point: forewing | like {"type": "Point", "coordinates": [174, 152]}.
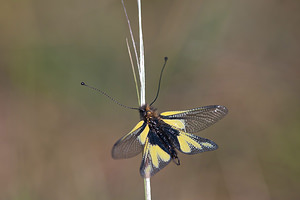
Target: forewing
{"type": "Point", "coordinates": [131, 144]}
{"type": "Point", "coordinates": [155, 156]}
{"type": "Point", "coordinates": [196, 119]}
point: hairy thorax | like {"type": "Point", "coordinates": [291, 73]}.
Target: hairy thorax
{"type": "Point", "coordinates": [148, 114]}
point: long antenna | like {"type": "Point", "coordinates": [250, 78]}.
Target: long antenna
{"type": "Point", "coordinates": [83, 83]}
{"type": "Point", "coordinates": [162, 70]}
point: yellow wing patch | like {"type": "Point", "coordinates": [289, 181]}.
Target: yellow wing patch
{"type": "Point", "coordinates": [206, 144]}
{"type": "Point", "coordinates": [178, 123]}
{"type": "Point", "coordinates": [158, 154]}
{"type": "Point", "coordinates": [142, 137]}
{"type": "Point", "coordinates": [171, 113]}
{"type": "Point", "coordinates": [187, 142]}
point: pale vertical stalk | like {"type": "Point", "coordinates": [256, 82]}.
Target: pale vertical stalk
{"type": "Point", "coordinates": [132, 66]}
{"type": "Point", "coordinates": [142, 61]}
{"type": "Point", "coordinates": [131, 36]}
{"type": "Point", "coordinates": [141, 68]}
{"type": "Point", "coordinates": [147, 184]}
{"type": "Point", "coordinates": [147, 188]}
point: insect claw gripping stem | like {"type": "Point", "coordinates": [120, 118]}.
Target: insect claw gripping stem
{"type": "Point", "coordinates": [176, 160]}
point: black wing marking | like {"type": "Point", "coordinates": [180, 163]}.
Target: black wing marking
{"type": "Point", "coordinates": [131, 144]}
{"type": "Point", "coordinates": [196, 119]}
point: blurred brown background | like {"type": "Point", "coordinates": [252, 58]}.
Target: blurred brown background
{"type": "Point", "coordinates": [56, 136]}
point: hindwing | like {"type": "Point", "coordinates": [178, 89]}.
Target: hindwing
{"type": "Point", "coordinates": [186, 142]}
{"type": "Point", "coordinates": [192, 144]}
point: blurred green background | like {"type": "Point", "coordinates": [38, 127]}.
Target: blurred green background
{"type": "Point", "coordinates": [56, 136]}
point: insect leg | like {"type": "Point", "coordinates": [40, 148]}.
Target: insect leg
{"type": "Point", "coordinates": [175, 157]}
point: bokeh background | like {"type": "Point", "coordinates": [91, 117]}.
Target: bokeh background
{"type": "Point", "coordinates": [56, 136]}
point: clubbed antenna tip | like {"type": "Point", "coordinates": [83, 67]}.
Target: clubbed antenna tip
{"type": "Point", "coordinates": [166, 59]}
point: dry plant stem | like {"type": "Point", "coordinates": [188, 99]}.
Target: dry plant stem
{"type": "Point", "coordinates": [142, 62]}
{"type": "Point", "coordinates": [141, 68]}
{"type": "Point", "coordinates": [132, 66]}
{"type": "Point", "coordinates": [147, 185]}
{"type": "Point", "coordinates": [131, 36]}
{"type": "Point", "coordinates": [147, 188]}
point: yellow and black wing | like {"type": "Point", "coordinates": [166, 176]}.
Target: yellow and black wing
{"type": "Point", "coordinates": [191, 144]}
{"type": "Point", "coordinates": [155, 155]}
{"type": "Point", "coordinates": [131, 144]}
{"type": "Point", "coordinates": [194, 120]}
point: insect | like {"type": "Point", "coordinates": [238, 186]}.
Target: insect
{"type": "Point", "coordinates": [161, 136]}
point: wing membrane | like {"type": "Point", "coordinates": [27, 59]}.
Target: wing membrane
{"type": "Point", "coordinates": [196, 119]}
{"type": "Point", "coordinates": [131, 144]}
